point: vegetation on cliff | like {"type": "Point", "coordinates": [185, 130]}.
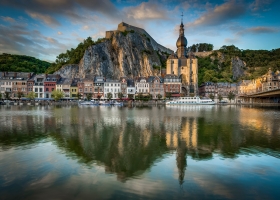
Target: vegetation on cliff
{"type": "Point", "coordinates": [72, 56]}
{"type": "Point", "coordinates": [218, 67]}
{"type": "Point", "coordinates": [21, 63]}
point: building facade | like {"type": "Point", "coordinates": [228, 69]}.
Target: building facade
{"type": "Point", "coordinates": [184, 65]}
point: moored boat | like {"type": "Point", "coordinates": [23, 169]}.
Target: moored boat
{"type": "Point", "coordinates": [191, 101]}
{"type": "Point", "coordinates": [87, 103]}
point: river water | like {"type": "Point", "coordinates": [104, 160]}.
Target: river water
{"type": "Point", "coordinates": [201, 152]}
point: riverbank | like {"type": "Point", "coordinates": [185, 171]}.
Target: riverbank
{"type": "Point", "coordinates": [126, 103]}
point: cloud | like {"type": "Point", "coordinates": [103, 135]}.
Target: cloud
{"type": "Point", "coordinates": [59, 33]}
{"type": "Point", "coordinates": [45, 18]}
{"type": "Point", "coordinates": [45, 10]}
{"type": "Point", "coordinates": [220, 14]}
{"type": "Point", "coordinates": [32, 43]}
{"type": "Point", "coordinates": [145, 11]}
{"type": "Point", "coordinates": [259, 5]}
{"type": "Point", "coordinates": [8, 19]}
{"type": "Point", "coordinates": [249, 31]}
{"type": "Point", "coordinates": [85, 27]}
{"type": "Point", "coordinates": [258, 30]}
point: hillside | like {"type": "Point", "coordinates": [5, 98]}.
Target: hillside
{"type": "Point", "coordinates": [21, 63]}
{"type": "Point", "coordinates": [232, 64]}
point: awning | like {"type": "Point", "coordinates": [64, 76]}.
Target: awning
{"type": "Point", "coordinates": [175, 95]}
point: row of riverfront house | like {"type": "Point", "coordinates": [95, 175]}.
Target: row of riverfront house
{"type": "Point", "coordinates": [14, 83]}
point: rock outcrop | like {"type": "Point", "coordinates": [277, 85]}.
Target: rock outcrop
{"type": "Point", "coordinates": [130, 53]}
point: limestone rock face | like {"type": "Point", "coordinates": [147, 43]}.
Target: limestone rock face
{"type": "Point", "coordinates": [69, 71]}
{"type": "Point", "coordinates": [238, 67]}
{"type": "Point", "coordinates": [128, 54]}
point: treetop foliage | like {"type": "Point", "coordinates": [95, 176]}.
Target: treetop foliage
{"type": "Point", "coordinates": [72, 56]}
{"type": "Point", "coordinates": [21, 63]}
{"type": "Point", "coordinates": [201, 47]}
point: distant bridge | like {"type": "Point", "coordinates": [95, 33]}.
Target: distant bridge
{"type": "Point", "coordinates": [269, 96]}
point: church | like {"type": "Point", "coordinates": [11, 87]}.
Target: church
{"type": "Point", "coordinates": [184, 65]}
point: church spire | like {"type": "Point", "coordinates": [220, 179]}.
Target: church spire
{"type": "Point", "coordinates": [182, 41]}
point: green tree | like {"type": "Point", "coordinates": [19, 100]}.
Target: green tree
{"type": "Point", "coordinates": [211, 96]}
{"type": "Point", "coordinates": [168, 95]}
{"type": "Point", "coordinates": [130, 96]}
{"type": "Point", "coordinates": [109, 96]}
{"type": "Point", "coordinates": [19, 94]}
{"type": "Point", "coordinates": [31, 95]}
{"type": "Point", "coordinates": [0, 95]}
{"type": "Point", "coordinates": [79, 95]}
{"type": "Point", "coordinates": [89, 96]}
{"type": "Point", "coordinates": [120, 95]}
{"type": "Point", "coordinates": [57, 94]}
{"type": "Point", "coordinates": [159, 96]}
{"type": "Point", "coordinates": [231, 96]}
{"type": "Point", "coordinates": [220, 97]}
{"type": "Point", "coordinates": [7, 95]}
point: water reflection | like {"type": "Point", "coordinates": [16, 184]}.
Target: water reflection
{"type": "Point", "coordinates": [128, 142]}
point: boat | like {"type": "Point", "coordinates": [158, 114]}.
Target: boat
{"type": "Point", "coordinates": [191, 101]}
{"type": "Point", "coordinates": [104, 103]}
{"type": "Point", "coordinates": [115, 103]}
{"type": "Point", "coordinates": [87, 103]}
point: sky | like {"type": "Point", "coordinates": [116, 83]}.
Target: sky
{"type": "Point", "coordinates": [46, 28]}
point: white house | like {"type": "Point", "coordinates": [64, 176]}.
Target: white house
{"type": "Point", "coordinates": [113, 87]}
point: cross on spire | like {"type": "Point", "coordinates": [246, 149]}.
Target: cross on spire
{"type": "Point", "coordinates": [182, 18]}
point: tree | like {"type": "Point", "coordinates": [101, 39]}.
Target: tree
{"type": "Point", "coordinates": [130, 96]}
{"type": "Point", "coordinates": [89, 96]}
{"type": "Point", "coordinates": [120, 95]}
{"type": "Point", "coordinates": [31, 95]}
{"type": "Point", "coordinates": [168, 95]}
{"type": "Point", "coordinates": [19, 94]}
{"type": "Point", "coordinates": [159, 96]}
{"type": "Point", "coordinates": [0, 95]}
{"type": "Point", "coordinates": [79, 95]}
{"type": "Point", "coordinates": [109, 96]}
{"type": "Point", "coordinates": [57, 94]}
{"type": "Point", "coordinates": [220, 97]}
{"type": "Point", "coordinates": [211, 96]}
{"type": "Point", "coordinates": [7, 95]}
{"type": "Point", "coordinates": [231, 96]}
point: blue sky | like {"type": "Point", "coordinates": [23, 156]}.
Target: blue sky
{"type": "Point", "coordinates": [46, 28]}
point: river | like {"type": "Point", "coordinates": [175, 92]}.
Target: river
{"type": "Point", "coordinates": [201, 152]}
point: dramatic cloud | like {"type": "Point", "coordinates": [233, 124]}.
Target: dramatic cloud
{"type": "Point", "coordinates": [8, 19]}
{"type": "Point", "coordinates": [45, 18]}
{"type": "Point", "coordinates": [146, 10]}
{"type": "Point", "coordinates": [220, 14]}
{"type": "Point", "coordinates": [43, 9]}
{"type": "Point", "coordinates": [32, 43]}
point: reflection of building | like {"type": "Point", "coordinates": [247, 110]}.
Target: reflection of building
{"type": "Point", "coordinates": [183, 65]}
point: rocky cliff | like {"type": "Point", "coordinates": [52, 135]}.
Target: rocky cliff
{"type": "Point", "coordinates": [124, 53]}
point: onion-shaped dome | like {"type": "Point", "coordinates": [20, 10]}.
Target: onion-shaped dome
{"type": "Point", "coordinates": [182, 41]}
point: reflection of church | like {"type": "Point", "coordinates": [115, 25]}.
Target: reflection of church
{"type": "Point", "coordinates": [184, 65]}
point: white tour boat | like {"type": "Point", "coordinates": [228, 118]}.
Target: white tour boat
{"type": "Point", "coordinates": [191, 101]}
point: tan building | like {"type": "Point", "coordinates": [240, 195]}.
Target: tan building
{"type": "Point", "coordinates": [183, 65]}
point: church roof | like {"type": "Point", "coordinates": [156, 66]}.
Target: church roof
{"type": "Point", "coordinates": [182, 41]}
{"type": "Point", "coordinates": [173, 56]}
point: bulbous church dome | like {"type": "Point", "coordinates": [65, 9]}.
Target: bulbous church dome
{"type": "Point", "coordinates": [182, 41]}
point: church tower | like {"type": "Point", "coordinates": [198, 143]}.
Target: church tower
{"type": "Point", "coordinates": [181, 43]}
{"type": "Point", "coordinates": [184, 65]}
